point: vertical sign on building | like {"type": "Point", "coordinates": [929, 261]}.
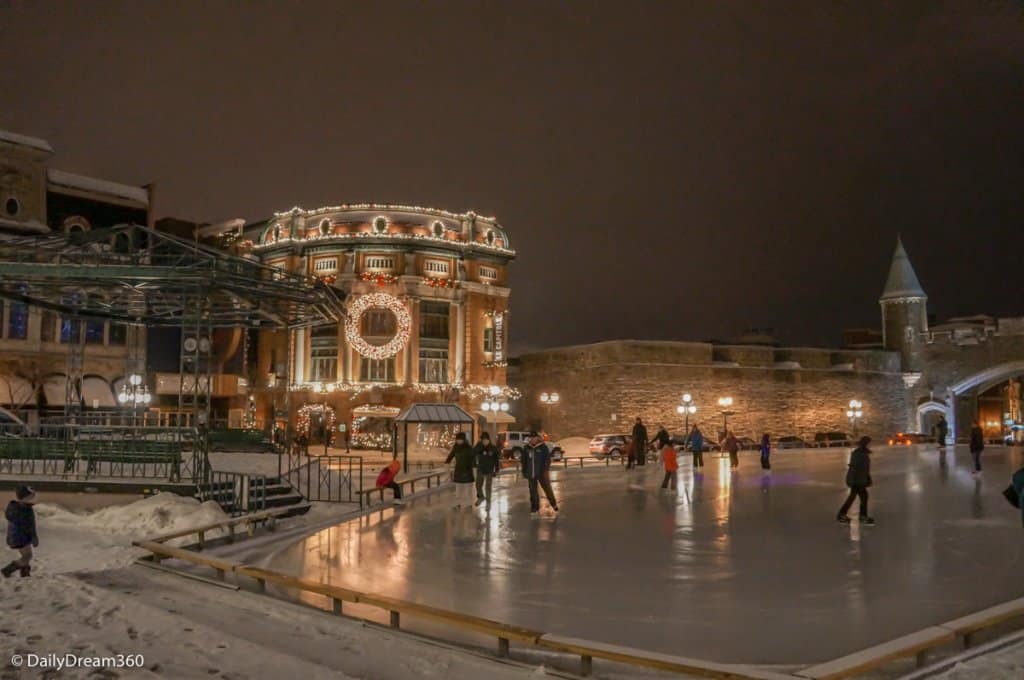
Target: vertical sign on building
{"type": "Point", "coordinates": [499, 337]}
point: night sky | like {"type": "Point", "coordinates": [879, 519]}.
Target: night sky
{"type": "Point", "coordinates": [666, 170]}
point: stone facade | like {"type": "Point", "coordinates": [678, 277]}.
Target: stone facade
{"type": "Point", "coordinates": [783, 391]}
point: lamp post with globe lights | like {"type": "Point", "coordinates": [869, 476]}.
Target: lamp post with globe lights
{"type": "Point", "coordinates": [134, 394]}
{"type": "Point", "coordinates": [725, 403]}
{"type": "Point", "coordinates": [855, 412]}
{"type": "Point", "coordinates": [549, 399]}
{"type": "Point", "coordinates": [687, 408]}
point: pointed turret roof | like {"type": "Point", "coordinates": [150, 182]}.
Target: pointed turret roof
{"type": "Point", "coordinates": [902, 281]}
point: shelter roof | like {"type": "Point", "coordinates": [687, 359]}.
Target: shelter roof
{"type": "Point", "coordinates": [434, 413]}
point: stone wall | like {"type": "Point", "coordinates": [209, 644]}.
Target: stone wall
{"type": "Point", "coordinates": [603, 387]}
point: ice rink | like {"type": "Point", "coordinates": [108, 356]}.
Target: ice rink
{"type": "Point", "coordinates": [736, 567]}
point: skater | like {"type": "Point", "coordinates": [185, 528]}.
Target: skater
{"type": "Point", "coordinates": [941, 430]}
{"type": "Point", "coordinates": [858, 478]}
{"type": "Point", "coordinates": [536, 461]}
{"type": "Point", "coordinates": [21, 531]}
{"type": "Point", "coordinates": [732, 445]}
{"type": "Point", "coordinates": [977, 446]}
{"type": "Point", "coordinates": [630, 454]}
{"type": "Point", "coordinates": [697, 446]}
{"type": "Point", "coordinates": [640, 442]}
{"type": "Point", "coordinates": [668, 459]}
{"type": "Point", "coordinates": [661, 438]}
{"type": "Point", "coordinates": [1018, 485]}
{"type": "Point", "coordinates": [487, 460]}
{"type": "Point", "coordinates": [386, 479]}
{"type": "Point", "coordinates": [463, 473]}
{"type": "Point", "coordinates": [766, 452]}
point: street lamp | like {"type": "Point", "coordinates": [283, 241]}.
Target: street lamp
{"type": "Point", "coordinates": [855, 413]}
{"type": "Point", "coordinates": [725, 403]}
{"type": "Point", "coordinates": [549, 399]}
{"type": "Point", "coordinates": [134, 393]}
{"type": "Point", "coordinates": [687, 408]}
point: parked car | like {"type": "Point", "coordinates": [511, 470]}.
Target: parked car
{"type": "Point", "coordinates": [513, 442]}
{"type": "Point", "coordinates": [613, 445]}
{"type": "Point", "coordinates": [825, 439]}
{"type": "Point", "coordinates": [909, 438]}
{"type": "Point", "coordinates": [791, 441]}
{"type": "Point", "coordinates": [748, 444]}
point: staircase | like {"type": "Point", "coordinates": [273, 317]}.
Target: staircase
{"type": "Point", "coordinates": [239, 494]}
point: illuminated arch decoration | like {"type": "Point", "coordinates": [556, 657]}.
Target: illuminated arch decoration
{"type": "Point", "coordinates": [355, 315]}
{"type": "Point", "coordinates": [326, 412]}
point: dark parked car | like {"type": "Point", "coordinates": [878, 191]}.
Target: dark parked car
{"type": "Point", "coordinates": [792, 442]}
{"type": "Point", "coordinates": [825, 439]}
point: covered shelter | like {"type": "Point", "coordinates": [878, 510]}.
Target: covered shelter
{"type": "Point", "coordinates": [434, 414]}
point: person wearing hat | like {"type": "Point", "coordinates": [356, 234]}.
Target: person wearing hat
{"type": "Point", "coordinates": [858, 478]}
{"type": "Point", "coordinates": [21, 530]}
{"type": "Point", "coordinates": [536, 460]}
{"type": "Point", "coordinates": [462, 453]}
{"type": "Point", "coordinates": [487, 460]}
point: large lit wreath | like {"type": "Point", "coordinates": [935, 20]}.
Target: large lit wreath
{"type": "Point", "coordinates": [355, 315]}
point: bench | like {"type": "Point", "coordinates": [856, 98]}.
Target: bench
{"type": "Point", "coordinates": [164, 456]}
{"type": "Point", "coordinates": [916, 644]}
{"type": "Point", "coordinates": [588, 650]}
{"type": "Point", "coordinates": [435, 478]}
{"type": "Point", "coordinates": [965, 626]}
{"type": "Point", "coordinates": [29, 450]}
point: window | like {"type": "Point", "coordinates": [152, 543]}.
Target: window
{"type": "Point", "coordinates": [17, 321]}
{"type": "Point", "coordinates": [435, 267]}
{"type": "Point", "coordinates": [94, 332]}
{"type": "Point", "coordinates": [438, 229]}
{"type": "Point", "coordinates": [48, 327]}
{"type": "Point", "coordinates": [433, 365]}
{"type": "Point", "coordinates": [326, 264]}
{"type": "Point", "coordinates": [488, 273]}
{"type": "Point", "coordinates": [488, 339]}
{"type": "Point", "coordinates": [378, 262]}
{"type": "Point", "coordinates": [117, 334]}
{"type": "Point", "coordinates": [380, 225]}
{"type": "Point", "coordinates": [70, 329]}
{"type": "Point", "coordinates": [377, 370]}
{"type": "Point", "coordinates": [380, 325]}
{"type": "Point", "coordinates": [12, 206]}
{"type": "Point", "coordinates": [323, 357]}
{"type": "Point", "coordinates": [325, 228]}
{"type": "Point", "coordinates": [434, 321]}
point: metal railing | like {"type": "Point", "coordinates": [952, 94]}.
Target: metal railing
{"type": "Point", "coordinates": [237, 493]}
{"type": "Point", "coordinates": [332, 479]}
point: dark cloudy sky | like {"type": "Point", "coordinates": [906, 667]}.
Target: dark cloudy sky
{"type": "Point", "coordinates": [665, 169]}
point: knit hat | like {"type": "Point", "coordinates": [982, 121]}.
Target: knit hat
{"type": "Point", "coordinates": [460, 436]}
{"type": "Point", "coordinates": [25, 493]}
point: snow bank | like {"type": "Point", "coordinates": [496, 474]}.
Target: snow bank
{"type": "Point", "coordinates": [102, 539]}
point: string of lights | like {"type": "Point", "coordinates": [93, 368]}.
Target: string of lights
{"type": "Point", "coordinates": [392, 304]}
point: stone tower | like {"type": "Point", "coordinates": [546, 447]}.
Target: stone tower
{"type": "Point", "coordinates": [904, 314]}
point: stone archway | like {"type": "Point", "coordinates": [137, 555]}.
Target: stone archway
{"type": "Point", "coordinates": [932, 406]}
{"type": "Point", "coordinates": [984, 380]}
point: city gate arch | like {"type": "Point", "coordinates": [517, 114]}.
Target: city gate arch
{"type": "Point", "coordinates": [928, 413]}
{"type": "Point", "coordinates": [977, 384]}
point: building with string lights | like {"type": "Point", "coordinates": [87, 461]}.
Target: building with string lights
{"type": "Point", "coordinates": [427, 300]}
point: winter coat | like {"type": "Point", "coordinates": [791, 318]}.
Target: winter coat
{"type": "Point", "coordinates": [21, 525]}
{"type": "Point", "coordinates": [388, 474]}
{"type": "Point", "coordinates": [1018, 486]}
{"type": "Point", "coordinates": [662, 438]}
{"type": "Point", "coordinates": [536, 460]}
{"type": "Point", "coordinates": [697, 442]}
{"type": "Point", "coordinates": [977, 440]}
{"type": "Point", "coordinates": [487, 459]}
{"type": "Point", "coordinates": [640, 438]}
{"type": "Point", "coordinates": [731, 444]}
{"type": "Point", "coordinates": [668, 457]}
{"type": "Point", "coordinates": [859, 469]}
{"type": "Point", "coordinates": [463, 455]}
{"type": "Point", "coordinates": [941, 429]}
{"type": "Point", "coordinates": [766, 448]}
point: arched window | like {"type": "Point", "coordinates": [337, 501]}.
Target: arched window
{"type": "Point", "coordinates": [380, 225]}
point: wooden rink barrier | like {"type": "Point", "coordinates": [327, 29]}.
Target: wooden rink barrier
{"type": "Point", "coordinates": [917, 644]}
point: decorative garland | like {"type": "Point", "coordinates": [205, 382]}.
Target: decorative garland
{"type": "Point", "coordinates": [379, 278]}
{"type": "Point", "coordinates": [302, 422]}
{"type": "Point", "coordinates": [329, 279]}
{"type": "Point", "coordinates": [438, 282]}
{"type": "Point", "coordinates": [385, 301]}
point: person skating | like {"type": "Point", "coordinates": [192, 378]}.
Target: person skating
{"type": "Point", "coordinates": [21, 531]}
{"type": "Point", "coordinates": [669, 460]}
{"type": "Point", "coordinates": [858, 478]}
{"type": "Point", "coordinates": [660, 438]}
{"type": "Point", "coordinates": [386, 479]}
{"type": "Point", "coordinates": [640, 441]}
{"type": "Point", "coordinates": [630, 454]}
{"type": "Point", "coordinates": [536, 460]}
{"type": "Point", "coordinates": [463, 473]}
{"type": "Point", "coordinates": [697, 446]}
{"type": "Point", "coordinates": [941, 430]}
{"type": "Point", "coordinates": [732, 445]}
{"type": "Point", "coordinates": [766, 452]}
{"type": "Point", "coordinates": [487, 459]}
{"type": "Point", "coordinates": [977, 445]}
{"type": "Point", "coordinates": [1018, 485]}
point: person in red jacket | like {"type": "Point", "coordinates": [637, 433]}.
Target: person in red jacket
{"type": "Point", "coordinates": [386, 479]}
{"type": "Point", "coordinates": [668, 457]}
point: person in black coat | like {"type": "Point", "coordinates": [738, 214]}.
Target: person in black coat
{"type": "Point", "coordinates": [977, 445]}
{"type": "Point", "coordinates": [487, 460]}
{"type": "Point", "coordinates": [858, 478]}
{"type": "Point", "coordinates": [21, 531]}
{"type": "Point", "coordinates": [536, 464]}
{"type": "Point", "coordinates": [941, 430]}
{"type": "Point", "coordinates": [462, 475]}
{"type": "Point", "coordinates": [640, 441]}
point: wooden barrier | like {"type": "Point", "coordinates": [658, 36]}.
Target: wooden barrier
{"type": "Point", "coordinates": [916, 644]}
{"type": "Point", "coordinates": [966, 626]}
{"type": "Point", "coordinates": [250, 522]}
{"type": "Point", "coordinates": [437, 475]}
{"type": "Point", "coordinates": [161, 551]}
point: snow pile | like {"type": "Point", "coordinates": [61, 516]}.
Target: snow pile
{"type": "Point", "coordinates": [1003, 664]}
{"type": "Point", "coordinates": [575, 446]}
{"type": "Point", "coordinates": [102, 539]}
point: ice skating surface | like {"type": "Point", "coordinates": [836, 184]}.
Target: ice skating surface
{"type": "Point", "coordinates": [740, 566]}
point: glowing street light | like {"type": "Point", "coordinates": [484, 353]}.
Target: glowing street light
{"type": "Point", "coordinates": [725, 403]}
{"type": "Point", "coordinates": [687, 408]}
{"type": "Point", "coordinates": [549, 399]}
{"type": "Point", "coordinates": [134, 393]}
